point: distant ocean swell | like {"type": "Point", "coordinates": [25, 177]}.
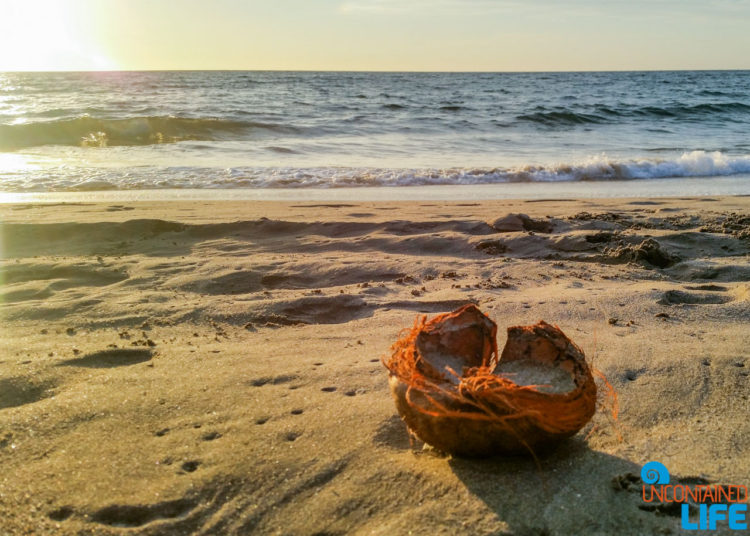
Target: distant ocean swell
{"type": "Point", "coordinates": [607, 114]}
{"type": "Point", "coordinates": [92, 131]}
{"type": "Point", "coordinates": [96, 132]}
{"type": "Point", "coordinates": [600, 168]}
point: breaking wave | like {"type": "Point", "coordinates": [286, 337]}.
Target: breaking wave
{"type": "Point", "coordinates": [92, 131]}
{"type": "Point", "coordinates": [600, 168]}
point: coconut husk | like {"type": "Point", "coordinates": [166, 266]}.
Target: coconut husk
{"type": "Point", "coordinates": [456, 395]}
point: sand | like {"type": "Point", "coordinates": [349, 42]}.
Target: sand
{"type": "Point", "coordinates": [213, 367]}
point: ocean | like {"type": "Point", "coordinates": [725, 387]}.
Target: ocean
{"type": "Point", "coordinates": [104, 131]}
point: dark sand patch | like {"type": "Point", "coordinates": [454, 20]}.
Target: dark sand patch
{"type": "Point", "coordinates": [678, 297]}
{"type": "Point", "coordinates": [21, 390]}
{"type": "Point", "coordinates": [118, 357]}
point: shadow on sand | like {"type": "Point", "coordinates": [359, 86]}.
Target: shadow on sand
{"type": "Point", "coordinates": [572, 490]}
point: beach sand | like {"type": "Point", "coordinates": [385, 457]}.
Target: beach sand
{"type": "Point", "coordinates": [214, 368]}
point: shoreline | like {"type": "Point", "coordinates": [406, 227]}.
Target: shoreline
{"type": "Point", "coordinates": [207, 366]}
{"type": "Point", "coordinates": [735, 185]}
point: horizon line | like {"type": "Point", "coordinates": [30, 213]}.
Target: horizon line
{"type": "Point", "coordinates": [385, 71]}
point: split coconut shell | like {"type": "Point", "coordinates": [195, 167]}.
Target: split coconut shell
{"type": "Point", "coordinates": [456, 395]}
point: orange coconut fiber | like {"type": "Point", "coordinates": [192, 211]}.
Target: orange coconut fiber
{"type": "Point", "coordinates": [444, 377]}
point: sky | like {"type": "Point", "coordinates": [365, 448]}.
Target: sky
{"type": "Point", "coordinates": [374, 35]}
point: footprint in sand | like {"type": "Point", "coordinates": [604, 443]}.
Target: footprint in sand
{"type": "Point", "coordinates": [124, 515]}
{"type": "Point", "coordinates": [679, 297]}
{"type": "Point", "coordinates": [118, 357]}
{"type": "Point", "coordinates": [20, 390]}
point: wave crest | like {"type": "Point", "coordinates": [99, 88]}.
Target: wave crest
{"type": "Point", "coordinates": [561, 118]}
{"type": "Point", "coordinates": [601, 113]}
{"type": "Point", "coordinates": [92, 131]}
{"type": "Point", "coordinates": [600, 168]}
{"type": "Point", "coordinates": [696, 110]}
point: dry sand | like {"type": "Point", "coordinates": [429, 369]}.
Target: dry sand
{"type": "Point", "coordinates": [213, 368]}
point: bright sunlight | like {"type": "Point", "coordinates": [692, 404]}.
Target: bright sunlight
{"type": "Point", "coordinates": [46, 35]}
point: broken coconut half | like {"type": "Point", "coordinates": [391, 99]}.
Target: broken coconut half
{"type": "Point", "coordinates": [456, 395]}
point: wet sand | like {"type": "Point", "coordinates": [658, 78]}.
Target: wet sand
{"type": "Point", "coordinates": [214, 367]}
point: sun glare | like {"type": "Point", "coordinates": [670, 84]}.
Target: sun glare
{"type": "Point", "coordinates": [47, 35]}
{"type": "Point", "coordinates": [15, 163]}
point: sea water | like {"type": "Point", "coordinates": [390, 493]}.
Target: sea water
{"type": "Point", "coordinates": [254, 130]}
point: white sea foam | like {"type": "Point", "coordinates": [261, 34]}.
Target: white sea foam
{"type": "Point", "coordinates": [597, 168]}
{"type": "Point", "coordinates": [690, 164]}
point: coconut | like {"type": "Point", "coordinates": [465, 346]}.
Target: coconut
{"type": "Point", "coordinates": [456, 395]}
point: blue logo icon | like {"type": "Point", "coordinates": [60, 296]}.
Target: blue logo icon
{"type": "Point", "coordinates": [654, 473]}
